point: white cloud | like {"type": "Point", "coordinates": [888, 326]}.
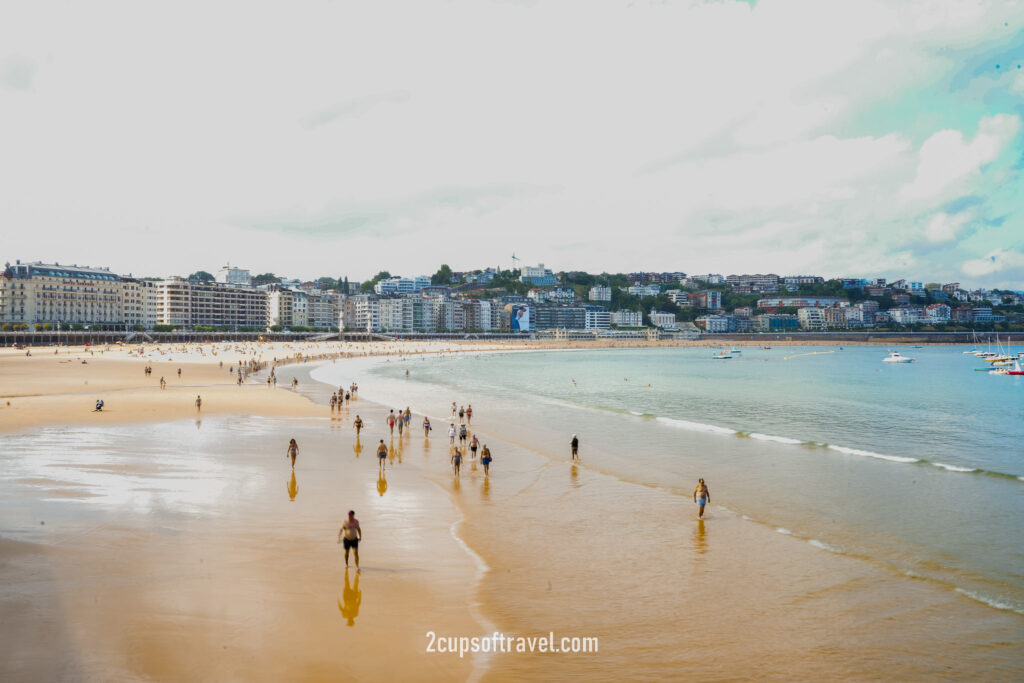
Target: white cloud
{"type": "Point", "coordinates": [995, 261]}
{"type": "Point", "coordinates": [944, 227]}
{"type": "Point", "coordinates": [946, 159]}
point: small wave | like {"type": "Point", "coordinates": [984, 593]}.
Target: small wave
{"type": "Point", "coordinates": [824, 546]}
{"type": "Point", "coordinates": [991, 602]}
{"type": "Point", "coordinates": [776, 439]}
{"type": "Point", "coordinates": [954, 468]}
{"type": "Point", "coordinates": [870, 454]}
{"type": "Point", "coordinates": [695, 426]}
{"type": "Point", "coordinates": [784, 531]}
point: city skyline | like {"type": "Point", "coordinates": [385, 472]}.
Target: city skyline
{"type": "Point", "coordinates": [853, 139]}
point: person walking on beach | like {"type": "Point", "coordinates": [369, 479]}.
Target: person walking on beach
{"type": "Point", "coordinates": [199, 403]}
{"type": "Point", "coordinates": [485, 459]}
{"type": "Point", "coordinates": [382, 453]}
{"type": "Point", "coordinates": [451, 434]}
{"type": "Point", "coordinates": [179, 373]}
{"type": "Point", "coordinates": [293, 451]}
{"type": "Point", "coordinates": [391, 421]}
{"type": "Point", "coordinates": [701, 496]}
{"type": "Point", "coordinates": [334, 402]}
{"type": "Point", "coordinates": [454, 409]}
{"type": "Point", "coordinates": [469, 414]}
{"type": "Point", "coordinates": [462, 415]}
{"type": "Point", "coordinates": [350, 534]}
{"type": "Point", "coordinates": [474, 444]}
{"type": "Point", "coordinates": [456, 460]}
{"type": "Point", "coordinates": [358, 424]}
{"type": "Point", "coordinates": [401, 425]}
{"type": "Point", "coordinates": [426, 427]}
{"type": "Point", "coordinates": [462, 435]}
{"type": "Point", "coordinates": [575, 443]}
{"type": "Point", "coordinates": [163, 383]}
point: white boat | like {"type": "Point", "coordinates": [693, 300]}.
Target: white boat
{"type": "Point", "coordinates": [735, 350]}
{"type": "Point", "coordinates": [897, 357]}
{"type": "Point", "coordinates": [721, 355]}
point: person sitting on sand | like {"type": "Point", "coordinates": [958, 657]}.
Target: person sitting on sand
{"type": "Point", "coordinates": [99, 405]}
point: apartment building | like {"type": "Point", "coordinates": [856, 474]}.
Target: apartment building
{"type": "Point", "coordinates": [811, 319]}
{"type": "Point", "coordinates": [184, 304]}
{"type": "Point", "coordinates": [600, 293]}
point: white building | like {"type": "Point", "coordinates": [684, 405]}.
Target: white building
{"type": "Point", "coordinates": [361, 312]}
{"type": "Point", "coordinates": [905, 315]}
{"type": "Point", "coordinates": [600, 293]}
{"type": "Point", "coordinates": [644, 290]}
{"type": "Point", "coordinates": [811, 318]}
{"type": "Point", "coordinates": [47, 294]}
{"type": "Point", "coordinates": [230, 275]}
{"type": "Point", "coordinates": [666, 321]}
{"type": "Point", "coordinates": [627, 318]}
{"type": "Point", "coordinates": [716, 324]}
{"type": "Point", "coordinates": [938, 313]}
{"type": "Point", "coordinates": [597, 318]}
{"type": "Point", "coordinates": [397, 314]}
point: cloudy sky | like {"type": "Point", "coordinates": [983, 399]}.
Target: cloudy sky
{"type": "Point", "coordinates": [342, 138]}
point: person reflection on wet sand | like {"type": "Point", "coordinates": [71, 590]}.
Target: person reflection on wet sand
{"type": "Point", "coordinates": [382, 483]}
{"type": "Point", "coordinates": [199, 423]}
{"type": "Point", "coordinates": [574, 475]}
{"type": "Point", "coordinates": [293, 487]}
{"type": "Point", "coordinates": [485, 490]}
{"type": "Point", "coordinates": [700, 538]}
{"type": "Point", "coordinates": [358, 448]}
{"type": "Point", "coordinates": [351, 599]}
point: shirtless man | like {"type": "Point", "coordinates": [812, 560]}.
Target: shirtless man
{"type": "Point", "coordinates": [382, 453]}
{"type": "Point", "coordinates": [351, 533]}
{"type": "Point", "coordinates": [701, 496]}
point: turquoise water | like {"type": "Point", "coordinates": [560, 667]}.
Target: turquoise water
{"type": "Point", "coordinates": [916, 467]}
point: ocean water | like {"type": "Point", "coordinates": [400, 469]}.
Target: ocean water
{"type": "Point", "coordinates": [915, 468]}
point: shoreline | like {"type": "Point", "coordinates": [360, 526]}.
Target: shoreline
{"type": "Point", "coordinates": [540, 573]}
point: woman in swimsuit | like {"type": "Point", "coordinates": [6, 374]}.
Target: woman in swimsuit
{"type": "Point", "coordinates": [293, 451]}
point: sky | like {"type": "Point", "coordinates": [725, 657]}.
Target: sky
{"type": "Point", "coordinates": [861, 138]}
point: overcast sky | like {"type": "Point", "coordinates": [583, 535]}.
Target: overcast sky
{"type": "Point", "coordinates": [343, 138]}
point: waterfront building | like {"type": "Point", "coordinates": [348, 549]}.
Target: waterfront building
{"type": "Point", "coordinates": [627, 318]}
{"type": "Point", "coordinates": [139, 303]}
{"type": "Point", "coordinates": [396, 313]}
{"type": "Point", "coordinates": [597, 317]}
{"type": "Point", "coordinates": [836, 318]}
{"type": "Point", "coordinates": [279, 306]}
{"type": "Point", "coordinates": [775, 322]}
{"type": "Point", "coordinates": [716, 324]}
{"type": "Point", "coordinates": [184, 304]}
{"type": "Point", "coordinates": [666, 321]}
{"type": "Point", "coordinates": [361, 312]}
{"type": "Point", "coordinates": [938, 313]}
{"type": "Point", "coordinates": [600, 293]}
{"type": "Point", "coordinates": [905, 315]}
{"type": "Point", "coordinates": [812, 319]}
{"type": "Point", "coordinates": [47, 294]}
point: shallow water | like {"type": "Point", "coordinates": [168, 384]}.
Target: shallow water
{"type": "Point", "coordinates": [918, 467]}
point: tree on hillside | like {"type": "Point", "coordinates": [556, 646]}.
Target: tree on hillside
{"type": "Point", "coordinates": [265, 279]}
{"type": "Point", "coordinates": [327, 283]}
{"type": "Point", "coordinates": [201, 276]}
{"type": "Point", "coordinates": [368, 286]}
{"type": "Point", "coordinates": [443, 276]}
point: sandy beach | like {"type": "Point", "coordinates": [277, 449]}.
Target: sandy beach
{"type": "Point", "coordinates": [152, 541]}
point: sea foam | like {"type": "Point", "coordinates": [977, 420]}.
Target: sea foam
{"type": "Point", "coordinates": [695, 426]}
{"type": "Point", "coordinates": [870, 454]}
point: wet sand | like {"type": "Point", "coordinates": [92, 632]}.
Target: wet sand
{"type": "Point", "coordinates": [184, 550]}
